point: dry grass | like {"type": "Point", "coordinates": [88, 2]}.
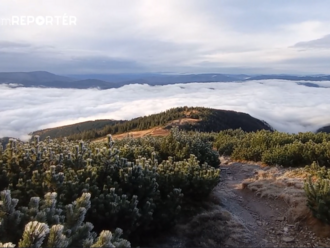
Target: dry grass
{"type": "Point", "coordinates": [283, 184]}
{"type": "Point", "coordinates": [217, 228]}
{"type": "Point", "coordinates": [156, 131]}
{"type": "Point", "coordinates": [261, 164]}
{"type": "Point", "coordinates": [288, 185]}
{"type": "Point", "coordinates": [213, 226]}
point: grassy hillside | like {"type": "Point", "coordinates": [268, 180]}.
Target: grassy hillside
{"type": "Point", "coordinates": [187, 118]}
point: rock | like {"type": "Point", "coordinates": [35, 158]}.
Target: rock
{"type": "Point", "coordinates": [224, 160]}
{"type": "Point", "coordinates": [280, 218]}
{"type": "Point", "coordinates": [288, 239]}
{"type": "Point", "coordinates": [259, 223]}
{"type": "Point", "coordinates": [279, 233]}
{"type": "Point", "coordinates": [286, 229]}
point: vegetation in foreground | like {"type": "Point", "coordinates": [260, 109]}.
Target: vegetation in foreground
{"type": "Point", "coordinates": [275, 148]}
{"type": "Point", "coordinates": [288, 150]}
{"type": "Point", "coordinates": [63, 193]}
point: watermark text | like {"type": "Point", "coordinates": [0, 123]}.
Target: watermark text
{"type": "Point", "coordinates": [58, 20]}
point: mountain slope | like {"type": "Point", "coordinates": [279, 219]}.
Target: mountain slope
{"type": "Point", "coordinates": [28, 78]}
{"type": "Point", "coordinates": [187, 118]}
{"type": "Point", "coordinates": [325, 129]}
{"type": "Point", "coordinates": [78, 128]}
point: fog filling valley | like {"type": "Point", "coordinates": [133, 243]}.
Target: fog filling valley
{"type": "Point", "coordinates": [285, 105]}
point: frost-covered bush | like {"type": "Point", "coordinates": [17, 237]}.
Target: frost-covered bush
{"type": "Point", "coordinates": [141, 197]}
{"type": "Point", "coordinates": [42, 223]}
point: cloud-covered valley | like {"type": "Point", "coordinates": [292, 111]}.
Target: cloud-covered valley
{"type": "Point", "coordinates": [285, 105]}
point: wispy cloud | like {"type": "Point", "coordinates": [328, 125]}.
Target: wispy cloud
{"type": "Point", "coordinates": [285, 105]}
{"type": "Point", "coordinates": [322, 43]}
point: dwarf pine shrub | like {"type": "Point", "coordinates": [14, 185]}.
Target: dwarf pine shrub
{"type": "Point", "coordinates": [141, 197]}
{"type": "Point", "coordinates": [43, 223]}
{"type": "Point", "coordinates": [317, 189]}
{"type": "Point", "coordinates": [275, 148]}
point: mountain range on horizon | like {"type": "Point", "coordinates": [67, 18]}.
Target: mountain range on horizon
{"type": "Point", "coordinates": [107, 81]}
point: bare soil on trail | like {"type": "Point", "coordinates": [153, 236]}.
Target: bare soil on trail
{"type": "Point", "coordinates": [252, 206]}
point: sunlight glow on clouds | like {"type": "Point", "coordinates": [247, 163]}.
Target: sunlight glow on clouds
{"type": "Point", "coordinates": [285, 105]}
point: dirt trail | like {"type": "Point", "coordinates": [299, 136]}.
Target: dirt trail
{"type": "Point", "coordinates": [237, 217]}
{"type": "Point", "coordinates": [267, 220]}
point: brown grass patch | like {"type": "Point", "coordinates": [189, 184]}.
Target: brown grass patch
{"type": "Point", "coordinates": [288, 185]}
{"type": "Point", "coordinates": [284, 184]}
{"type": "Point", "coordinates": [217, 228]}
{"type": "Point", "coordinates": [156, 131]}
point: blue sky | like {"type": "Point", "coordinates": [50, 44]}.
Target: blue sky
{"type": "Point", "coordinates": [176, 36]}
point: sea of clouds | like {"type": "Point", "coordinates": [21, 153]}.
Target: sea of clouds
{"type": "Point", "coordinates": [285, 105]}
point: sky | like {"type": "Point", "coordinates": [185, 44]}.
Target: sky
{"type": "Point", "coordinates": [285, 105]}
{"type": "Point", "coordinates": [166, 36]}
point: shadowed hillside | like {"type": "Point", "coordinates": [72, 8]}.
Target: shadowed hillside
{"type": "Point", "coordinates": [325, 129]}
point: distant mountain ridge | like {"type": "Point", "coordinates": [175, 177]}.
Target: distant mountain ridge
{"type": "Point", "coordinates": [35, 76]}
{"type": "Point", "coordinates": [292, 77]}
{"type": "Point", "coordinates": [107, 81]}
{"type": "Point", "coordinates": [48, 80]}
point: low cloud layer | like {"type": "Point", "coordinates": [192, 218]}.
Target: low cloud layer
{"type": "Point", "coordinates": [285, 105]}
